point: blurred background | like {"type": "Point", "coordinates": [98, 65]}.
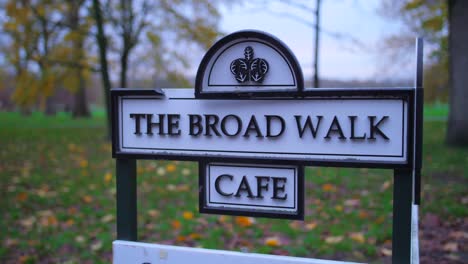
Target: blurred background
{"type": "Point", "coordinates": [59, 59]}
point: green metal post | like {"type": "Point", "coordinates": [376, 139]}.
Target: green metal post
{"type": "Point", "coordinates": [126, 199]}
{"type": "Point", "coordinates": [402, 201]}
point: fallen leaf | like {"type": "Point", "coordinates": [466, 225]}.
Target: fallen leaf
{"type": "Point", "coordinates": [358, 237]}
{"type": "Point", "coordinates": [458, 234]}
{"type": "Point", "coordinates": [171, 168]}
{"type": "Point", "coordinates": [195, 236]}
{"type": "Point", "coordinates": [450, 247]}
{"type": "Point", "coordinates": [87, 199]}
{"type": "Point", "coordinates": [83, 163]}
{"type": "Point", "coordinates": [80, 239]}
{"type": "Point", "coordinates": [272, 241]}
{"type": "Point", "coordinates": [96, 245]}
{"type": "Point", "coordinates": [28, 222]}
{"type": "Point", "coordinates": [69, 222]}
{"type": "Point", "coordinates": [22, 196]}
{"type": "Point", "coordinates": [186, 172]}
{"type": "Point", "coordinates": [153, 213]}
{"type": "Point", "coordinates": [328, 187]}
{"type": "Point", "coordinates": [181, 238]}
{"type": "Point", "coordinates": [187, 215]}
{"type": "Point", "coordinates": [339, 208]}
{"type": "Point", "coordinates": [351, 202]}
{"type": "Point", "coordinates": [363, 214]}
{"type": "Point", "coordinates": [333, 239]}
{"type": "Point", "coordinates": [244, 221]}
{"type": "Point", "coordinates": [311, 226]}
{"type": "Point", "coordinates": [175, 224]}
{"type": "Point", "coordinates": [385, 185]}
{"type": "Point", "coordinates": [107, 218]}
{"type": "Point", "coordinates": [386, 252]}
{"type": "Point", "coordinates": [108, 177]}
{"type": "Point", "coordinates": [161, 171]}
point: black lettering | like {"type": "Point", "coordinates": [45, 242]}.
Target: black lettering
{"type": "Point", "coordinates": [150, 124]}
{"type": "Point", "coordinates": [218, 189]}
{"type": "Point", "coordinates": [173, 123]}
{"type": "Point", "coordinates": [308, 124]}
{"type": "Point", "coordinates": [352, 119]}
{"type": "Point", "coordinates": [196, 127]}
{"type": "Point", "coordinates": [277, 188]}
{"type": "Point", "coordinates": [269, 119]}
{"type": "Point", "coordinates": [225, 120]}
{"type": "Point", "coordinates": [210, 123]}
{"type": "Point", "coordinates": [244, 187]}
{"type": "Point", "coordinates": [374, 128]}
{"type": "Point", "coordinates": [260, 186]}
{"type": "Point", "coordinates": [253, 126]}
{"type": "Point", "coordinates": [335, 128]}
{"type": "Point", "coordinates": [137, 122]}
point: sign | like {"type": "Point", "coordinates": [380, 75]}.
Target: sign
{"type": "Point", "coordinates": [247, 62]}
{"type": "Point", "coordinates": [339, 127]}
{"type": "Point", "coordinates": [254, 189]}
{"type": "Point", "coordinates": [125, 252]}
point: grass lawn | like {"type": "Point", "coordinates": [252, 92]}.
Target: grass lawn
{"type": "Point", "coordinates": [58, 204]}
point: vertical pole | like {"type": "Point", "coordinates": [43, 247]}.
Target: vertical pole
{"type": "Point", "coordinates": [316, 48]}
{"type": "Point", "coordinates": [418, 123]}
{"type": "Point", "coordinates": [126, 199]}
{"type": "Point", "coordinates": [402, 205]}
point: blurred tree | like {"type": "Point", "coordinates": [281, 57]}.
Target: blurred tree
{"type": "Point", "coordinates": [457, 131]}
{"type": "Point", "coordinates": [77, 23]}
{"type": "Point", "coordinates": [171, 28]}
{"type": "Point", "coordinates": [428, 19]}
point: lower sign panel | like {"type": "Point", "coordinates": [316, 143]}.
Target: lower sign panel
{"type": "Point", "coordinates": [275, 191]}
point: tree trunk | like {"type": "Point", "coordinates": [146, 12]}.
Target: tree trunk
{"type": "Point", "coordinates": [457, 131]}
{"type": "Point", "coordinates": [124, 67]}
{"type": "Point", "coordinates": [80, 108]}
{"type": "Point", "coordinates": [102, 43]}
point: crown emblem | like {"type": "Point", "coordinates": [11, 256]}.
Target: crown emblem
{"type": "Point", "coordinates": [249, 69]}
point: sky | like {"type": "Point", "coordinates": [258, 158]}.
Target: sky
{"type": "Point", "coordinates": [339, 58]}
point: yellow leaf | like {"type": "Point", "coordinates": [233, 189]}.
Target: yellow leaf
{"type": "Point", "coordinates": [83, 163]}
{"type": "Point", "coordinates": [195, 236]}
{"type": "Point", "coordinates": [358, 237]}
{"type": "Point", "coordinates": [108, 177]}
{"type": "Point", "coordinates": [244, 221]}
{"type": "Point", "coordinates": [272, 241]}
{"type": "Point", "coordinates": [187, 215]}
{"type": "Point", "coordinates": [333, 239]}
{"type": "Point", "coordinates": [171, 168]}
{"type": "Point", "coordinates": [339, 208]}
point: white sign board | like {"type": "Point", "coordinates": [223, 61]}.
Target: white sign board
{"type": "Point", "coordinates": [125, 252]}
{"type": "Point", "coordinates": [335, 127]}
{"type": "Point", "coordinates": [253, 189]}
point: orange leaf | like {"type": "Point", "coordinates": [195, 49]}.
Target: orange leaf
{"type": "Point", "coordinates": [181, 238]}
{"type": "Point", "coordinates": [311, 226]}
{"type": "Point", "coordinates": [176, 224]}
{"type": "Point", "coordinates": [87, 199]}
{"type": "Point", "coordinates": [244, 221]}
{"type": "Point", "coordinates": [272, 241]}
{"type": "Point", "coordinates": [328, 187]}
{"type": "Point", "coordinates": [21, 197]}
{"type": "Point", "coordinates": [195, 236]}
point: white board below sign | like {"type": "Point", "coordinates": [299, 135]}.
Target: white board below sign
{"type": "Point", "coordinates": [125, 252]}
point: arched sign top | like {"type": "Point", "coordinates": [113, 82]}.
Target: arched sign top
{"type": "Point", "coordinates": [248, 62]}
